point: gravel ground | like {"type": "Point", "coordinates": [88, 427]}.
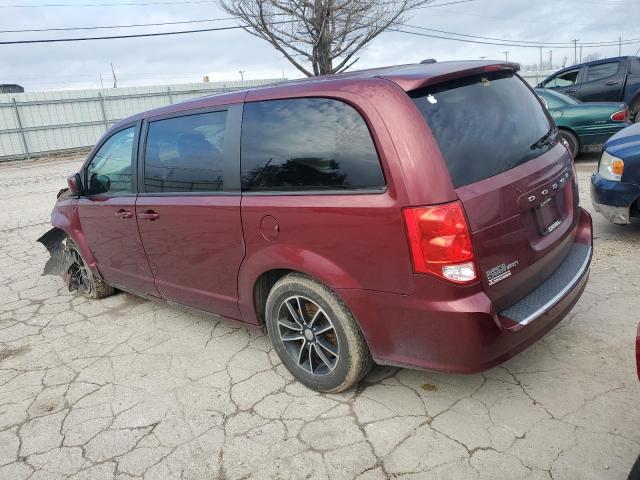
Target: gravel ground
{"type": "Point", "coordinates": [126, 388]}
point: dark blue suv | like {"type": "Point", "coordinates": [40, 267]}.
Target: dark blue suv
{"type": "Point", "coordinates": [615, 187]}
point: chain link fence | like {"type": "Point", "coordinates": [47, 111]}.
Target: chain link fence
{"type": "Point", "coordinates": [56, 122]}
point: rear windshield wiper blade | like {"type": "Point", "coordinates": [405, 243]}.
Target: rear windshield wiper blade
{"type": "Point", "coordinates": [545, 139]}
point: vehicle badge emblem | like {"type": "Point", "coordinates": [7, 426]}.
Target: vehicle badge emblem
{"type": "Point", "coordinates": [545, 192]}
{"type": "Point", "coordinates": [532, 198]}
{"type": "Point", "coordinates": [500, 272]}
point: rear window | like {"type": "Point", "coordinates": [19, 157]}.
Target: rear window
{"type": "Point", "coordinates": [484, 125]}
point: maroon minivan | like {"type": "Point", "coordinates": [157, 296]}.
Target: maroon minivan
{"type": "Point", "coordinates": [419, 215]}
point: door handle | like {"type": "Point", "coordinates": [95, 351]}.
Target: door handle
{"type": "Point", "coordinates": [122, 213]}
{"type": "Point", "coordinates": [149, 215]}
{"type": "Point", "coordinates": [571, 90]}
{"type": "Point", "coordinates": [612, 82]}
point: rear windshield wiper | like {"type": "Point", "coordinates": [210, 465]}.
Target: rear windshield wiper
{"type": "Point", "coordinates": [545, 139]}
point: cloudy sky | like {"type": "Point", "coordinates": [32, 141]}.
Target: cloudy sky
{"type": "Point", "coordinates": [185, 58]}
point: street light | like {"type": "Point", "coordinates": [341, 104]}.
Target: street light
{"type": "Point", "coordinates": [241, 72]}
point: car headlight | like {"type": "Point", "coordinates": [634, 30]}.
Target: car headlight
{"type": "Point", "coordinates": [610, 167]}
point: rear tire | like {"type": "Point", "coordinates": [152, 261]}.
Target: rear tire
{"type": "Point", "coordinates": [572, 140]}
{"type": "Point", "coordinates": [88, 284]}
{"type": "Point", "coordinates": [315, 334]}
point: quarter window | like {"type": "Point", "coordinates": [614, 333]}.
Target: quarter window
{"type": "Point", "coordinates": [307, 144]}
{"type": "Point", "coordinates": [604, 70]}
{"type": "Point", "coordinates": [110, 169]}
{"type": "Point", "coordinates": [185, 154]}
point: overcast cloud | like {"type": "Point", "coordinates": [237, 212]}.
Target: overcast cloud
{"type": "Point", "coordinates": [185, 58]}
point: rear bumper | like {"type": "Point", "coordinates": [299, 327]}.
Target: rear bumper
{"type": "Point", "coordinates": [457, 329]}
{"type": "Point", "coordinates": [613, 200]}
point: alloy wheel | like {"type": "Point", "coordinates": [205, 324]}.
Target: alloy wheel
{"type": "Point", "coordinates": [308, 335]}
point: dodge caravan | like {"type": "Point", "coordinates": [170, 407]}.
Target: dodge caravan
{"type": "Point", "coordinates": [420, 215]}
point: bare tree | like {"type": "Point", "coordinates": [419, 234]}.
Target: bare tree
{"type": "Point", "coordinates": [324, 33]}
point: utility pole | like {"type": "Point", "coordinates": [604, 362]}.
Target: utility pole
{"type": "Point", "coordinates": [541, 67]}
{"type": "Point", "coordinates": [241, 72]}
{"type": "Point", "coordinates": [101, 83]}
{"type": "Point", "coordinates": [550, 59]}
{"type": "Point", "coordinates": [575, 51]}
{"type": "Point", "coordinates": [619, 46]}
{"type": "Point", "coordinates": [580, 53]}
{"type": "Point", "coordinates": [506, 55]}
{"type": "Point", "coordinates": [115, 80]}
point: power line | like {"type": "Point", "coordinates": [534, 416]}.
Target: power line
{"type": "Point", "coordinates": [148, 3]}
{"type": "Point", "coordinates": [508, 42]}
{"type": "Point", "coordinates": [586, 44]}
{"type": "Point", "coordinates": [104, 27]}
{"type": "Point", "coordinates": [503, 44]}
{"type": "Point", "coordinates": [113, 37]}
{"type": "Point", "coordinates": [110, 4]}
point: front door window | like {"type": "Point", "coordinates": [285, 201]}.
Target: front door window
{"type": "Point", "coordinates": [110, 169]}
{"type": "Point", "coordinates": [565, 80]}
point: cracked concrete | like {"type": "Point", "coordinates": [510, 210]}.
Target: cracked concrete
{"type": "Point", "coordinates": [124, 388]}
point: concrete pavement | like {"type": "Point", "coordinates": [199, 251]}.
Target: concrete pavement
{"type": "Point", "coordinates": [124, 388]}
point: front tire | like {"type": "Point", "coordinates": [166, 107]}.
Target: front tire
{"type": "Point", "coordinates": [83, 278]}
{"type": "Point", "coordinates": [315, 334]}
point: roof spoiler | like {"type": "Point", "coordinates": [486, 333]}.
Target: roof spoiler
{"type": "Point", "coordinates": [420, 76]}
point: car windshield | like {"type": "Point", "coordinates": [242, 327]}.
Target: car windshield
{"type": "Point", "coordinates": [485, 125]}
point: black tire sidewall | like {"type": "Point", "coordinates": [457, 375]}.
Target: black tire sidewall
{"type": "Point", "coordinates": [573, 142]}
{"type": "Point", "coordinates": [338, 316]}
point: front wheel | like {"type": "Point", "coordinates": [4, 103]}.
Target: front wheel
{"type": "Point", "coordinates": [315, 335]}
{"type": "Point", "coordinates": [82, 278]}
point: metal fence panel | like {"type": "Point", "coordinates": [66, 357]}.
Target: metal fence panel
{"type": "Point", "coordinates": [35, 123]}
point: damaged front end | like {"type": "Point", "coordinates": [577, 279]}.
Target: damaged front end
{"type": "Point", "coordinates": [62, 260]}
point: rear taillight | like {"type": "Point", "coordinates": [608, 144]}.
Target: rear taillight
{"type": "Point", "coordinates": [440, 242]}
{"type": "Point", "coordinates": [621, 116]}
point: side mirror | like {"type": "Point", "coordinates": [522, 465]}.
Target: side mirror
{"type": "Point", "coordinates": [75, 184]}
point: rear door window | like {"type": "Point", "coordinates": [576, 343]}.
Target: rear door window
{"type": "Point", "coordinates": [485, 125]}
{"type": "Point", "coordinates": [604, 70]}
{"type": "Point", "coordinates": [307, 144]}
{"type": "Point", "coordinates": [185, 154]}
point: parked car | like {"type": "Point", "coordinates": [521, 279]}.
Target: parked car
{"type": "Point", "coordinates": [615, 186]}
{"type": "Point", "coordinates": [609, 80]}
{"type": "Point", "coordinates": [584, 126]}
{"type": "Point", "coordinates": [419, 215]}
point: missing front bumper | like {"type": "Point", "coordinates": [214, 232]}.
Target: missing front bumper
{"type": "Point", "coordinates": [60, 260]}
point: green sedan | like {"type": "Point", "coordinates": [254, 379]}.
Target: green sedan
{"type": "Point", "coordinates": [585, 126]}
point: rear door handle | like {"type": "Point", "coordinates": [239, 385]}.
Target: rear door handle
{"type": "Point", "coordinates": [149, 215]}
{"type": "Point", "coordinates": [571, 90]}
{"type": "Point", "coordinates": [612, 82]}
{"type": "Point", "coordinates": [122, 213]}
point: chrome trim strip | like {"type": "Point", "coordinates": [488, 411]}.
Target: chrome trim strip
{"type": "Point", "coordinates": [547, 306]}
